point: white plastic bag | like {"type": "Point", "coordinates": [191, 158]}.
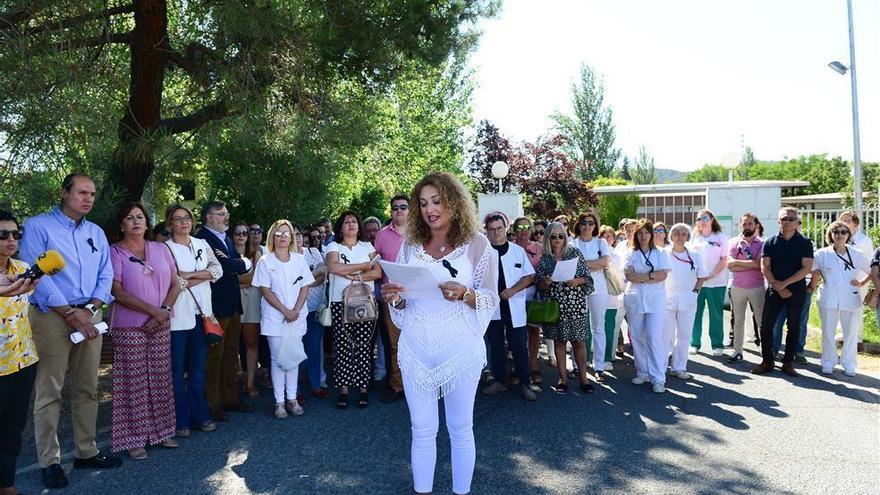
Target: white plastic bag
{"type": "Point", "coordinates": [292, 351]}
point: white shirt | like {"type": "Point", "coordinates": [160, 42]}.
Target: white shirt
{"type": "Point", "coordinates": [836, 291]}
{"type": "Point", "coordinates": [711, 250]}
{"type": "Point", "coordinates": [285, 280]}
{"type": "Point", "coordinates": [316, 294]}
{"type": "Point", "coordinates": [682, 279]}
{"type": "Point", "coordinates": [195, 257]}
{"type": "Point", "coordinates": [641, 297]}
{"type": "Point", "coordinates": [359, 253]}
{"type": "Point", "coordinates": [516, 265]}
{"type": "Point", "coordinates": [592, 250]}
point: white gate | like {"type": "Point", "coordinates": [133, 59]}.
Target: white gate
{"type": "Point", "coordinates": [816, 220]}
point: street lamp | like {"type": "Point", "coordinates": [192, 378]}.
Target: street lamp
{"type": "Point", "coordinates": [499, 171]}
{"type": "Point", "coordinates": [841, 69]}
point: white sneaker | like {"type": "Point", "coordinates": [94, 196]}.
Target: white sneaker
{"type": "Point", "coordinates": [684, 375]}
{"type": "Point", "coordinates": [609, 367]}
{"type": "Point", "coordinates": [280, 413]}
{"type": "Point", "coordinates": [717, 352]}
{"type": "Point", "coordinates": [827, 371]}
{"type": "Point", "coordinates": [639, 380]}
{"type": "Point", "coordinates": [658, 388]}
{"type": "Point", "coordinates": [692, 351]}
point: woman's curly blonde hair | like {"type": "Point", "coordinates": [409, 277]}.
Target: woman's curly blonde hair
{"type": "Point", "coordinates": [463, 225]}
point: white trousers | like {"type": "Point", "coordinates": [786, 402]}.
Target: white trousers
{"type": "Point", "coordinates": [597, 304]}
{"type": "Point", "coordinates": [739, 299]}
{"type": "Point", "coordinates": [677, 330]}
{"type": "Point", "coordinates": [650, 348]}
{"type": "Point", "coordinates": [282, 381]}
{"type": "Point", "coordinates": [850, 324]}
{"type": "Point", "coordinates": [425, 418]}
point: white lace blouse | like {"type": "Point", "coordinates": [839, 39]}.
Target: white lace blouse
{"type": "Point", "coordinates": [441, 342]}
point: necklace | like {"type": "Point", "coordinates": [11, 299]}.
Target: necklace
{"type": "Point", "coordinates": [442, 249]}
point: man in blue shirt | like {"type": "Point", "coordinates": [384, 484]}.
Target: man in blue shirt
{"type": "Point", "coordinates": [70, 300]}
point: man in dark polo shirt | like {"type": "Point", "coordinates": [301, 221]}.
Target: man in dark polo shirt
{"type": "Point", "coordinates": [785, 262]}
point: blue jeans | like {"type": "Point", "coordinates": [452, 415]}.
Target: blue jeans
{"type": "Point", "coordinates": [188, 351]}
{"type": "Point", "coordinates": [313, 345]}
{"type": "Point", "coordinates": [517, 339]}
{"type": "Point", "coordinates": [802, 336]}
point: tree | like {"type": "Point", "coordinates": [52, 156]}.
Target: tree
{"type": "Point", "coordinates": [624, 172]}
{"type": "Point", "coordinates": [748, 157]}
{"type": "Point", "coordinates": [589, 131]}
{"type": "Point", "coordinates": [175, 68]}
{"type": "Point", "coordinates": [489, 147]}
{"type": "Point", "coordinates": [614, 207]}
{"type": "Point", "coordinates": [644, 173]}
{"type": "Point", "coordinates": [547, 178]}
{"type": "Point", "coordinates": [707, 173]}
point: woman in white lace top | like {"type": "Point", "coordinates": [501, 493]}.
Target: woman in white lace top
{"type": "Point", "coordinates": [441, 350]}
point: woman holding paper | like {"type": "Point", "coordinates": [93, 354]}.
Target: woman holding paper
{"type": "Point", "coordinates": [441, 350]}
{"type": "Point", "coordinates": [145, 288]}
{"type": "Point", "coordinates": [283, 277]}
{"type": "Point", "coordinates": [571, 295]}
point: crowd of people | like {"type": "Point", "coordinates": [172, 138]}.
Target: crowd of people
{"type": "Point", "coordinates": [200, 314]}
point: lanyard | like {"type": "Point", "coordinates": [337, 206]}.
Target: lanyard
{"type": "Point", "coordinates": [688, 260]}
{"type": "Point", "coordinates": [647, 261]}
{"type": "Point", "coordinates": [847, 265]}
{"type": "Point", "coordinates": [739, 250]}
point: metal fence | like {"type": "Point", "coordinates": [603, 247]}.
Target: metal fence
{"type": "Point", "coordinates": [816, 220]}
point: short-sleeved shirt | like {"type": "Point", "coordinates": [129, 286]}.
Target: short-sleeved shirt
{"type": "Point", "coordinates": [642, 298]}
{"type": "Point", "coordinates": [149, 280]}
{"type": "Point", "coordinates": [838, 270]}
{"type": "Point", "coordinates": [17, 349]}
{"type": "Point", "coordinates": [592, 250]}
{"type": "Point", "coordinates": [314, 258]}
{"type": "Point", "coordinates": [514, 265]}
{"type": "Point", "coordinates": [685, 269]}
{"type": "Point", "coordinates": [359, 253]}
{"type": "Point", "coordinates": [712, 249]}
{"type": "Point", "coordinates": [875, 260]}
{"type": "Point", "coordinates": [785, 255]}
{"type": "Point", "coordinates": [739, 249]}
{"type": "Point", "coordinates": [285, 279]}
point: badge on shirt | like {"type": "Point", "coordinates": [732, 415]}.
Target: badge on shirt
{"type": "Point", "coordinates": [518, 265]}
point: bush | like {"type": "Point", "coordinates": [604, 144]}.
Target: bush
{"type": "Point", "coordinates": [614, 207]}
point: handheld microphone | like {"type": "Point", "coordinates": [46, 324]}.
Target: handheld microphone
{"type": "Point", "coordinates": [48, 263]}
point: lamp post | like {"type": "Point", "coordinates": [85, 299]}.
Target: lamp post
{"type": "Point", "coordinates": [841, 69]}
{"type": "Point", "coordinates": [499, 171]}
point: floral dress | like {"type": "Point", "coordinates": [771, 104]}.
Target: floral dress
{"type": "Point", "coordinates": [572, 323]}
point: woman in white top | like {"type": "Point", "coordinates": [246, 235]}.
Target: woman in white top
{"type": "Point", "coordinates": [598, 255]}
{"type": "Point", "coordinates": [711, 243]}
{"type": "Point", "coordinates": [441, 349]}
{"type": "Point", "coordinates": [615, 303]}
{"type": "Point", "coordinates": [196, 267]}
{"type": "Point", "coordinates": [348, 259]}
{"type": "Point", "coordinates": [283, 278]}
{"type": "Point", "coordinates": [683, 285]}
{"type": "Point", "coordinates": [840, 266]}
{"type": "Point", "coordinates": [646, 268]}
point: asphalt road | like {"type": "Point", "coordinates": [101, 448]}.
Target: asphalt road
{"type": "Point", "coordinates": [724, 431]}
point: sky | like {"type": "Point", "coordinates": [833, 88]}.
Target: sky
{"type": "Point", "coordinates": [691, 80]}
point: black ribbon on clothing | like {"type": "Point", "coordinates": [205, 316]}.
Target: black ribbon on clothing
{"type": "Point", "coordinates": [448, 266]}
{"type": "Point", "coordinates": [91, 243]}
{"type": "Point", "coordinates": [344, 258]}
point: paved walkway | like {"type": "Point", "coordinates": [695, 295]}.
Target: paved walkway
{"type": "Point", "coordinates": [725, 431]}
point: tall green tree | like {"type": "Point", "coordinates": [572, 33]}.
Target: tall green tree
{"type": "Point", "coordinates": [117, 87]}
{"type": "Point", "coordinates": [589, 128]}
{"type": "Point", "coordinates": [644, 171]}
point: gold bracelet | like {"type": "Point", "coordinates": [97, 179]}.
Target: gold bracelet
{"type": "Point", "coordinates": [466, 296]}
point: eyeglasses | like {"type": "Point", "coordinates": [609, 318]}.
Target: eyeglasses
{"type": "Point", "coordinates": [705, 218]}
{"type": "Point", "coordinates": [185, 219]}
{"type": "Point", "coordinates": [241, 233]}
{"type": "Point", "coordinates": [539, 232]}
{"type": "Point", "coordinates": [400, 207]}
{"type": "Point", "coordinates": [283, 235]}
{"type": "Point", "coordinates": [557, 237]}
{"type": "Point", "coordinates": [788, 219]}
{"type": "Point", "coordinates": [257, 230]}
{"type": "Point", "coordinates": [839, 232]}
{"type": "Point", "coordinates": [5, 235]}
{"type": "Point", "coordinates": [588, 222]}
{"type": "Point", "coordinates": [522, 227]}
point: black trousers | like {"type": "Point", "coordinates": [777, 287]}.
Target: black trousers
{"type": "Point", "coordinates": [773, 304]}
{"type": "Point", "coordinates": [15, 397]}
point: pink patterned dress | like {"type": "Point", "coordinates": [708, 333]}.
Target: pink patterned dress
{"type": "Point", "coordinates": [143, 397]}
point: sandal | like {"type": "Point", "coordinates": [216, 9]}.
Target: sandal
{"type": "Point", "coordinates": [574, 374]}
{"type": "Point", "coordinates": [342, 401]}
{"type": "Point", "coordinates": [363, 400]}
{"type": "Point", "coordinates": [587, 388]}
{"type": "Point", "coordinates": [169, 443]}
{"type": "Point", "coordinates": [537, 378]}
{"type": "Point", "coordinates": [253, 392]}
{"type": "Point", "coordinates": [561, 388]}
{"type": "Point", "coordinates": [138, 454]}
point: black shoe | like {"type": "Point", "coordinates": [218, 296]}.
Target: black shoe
{"type": "Point", "coordinates": [736, 357]}
{"type": "Point", "coordinates": [391, 395]}
{"type": "Point", "coordinates": [800, 359]}
{"type": "Point", "coordinates": [99, 461]}
{"type": "Point", "coordinates": [53, 476]}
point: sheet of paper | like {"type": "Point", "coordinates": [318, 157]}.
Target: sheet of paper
{"type": "Point", "coordinates": [565, 270]}
{"type": "Point", "coordinates": [419, 281]}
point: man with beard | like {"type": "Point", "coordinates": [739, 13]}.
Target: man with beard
{"type": "Point", "coordinates": [744, 262]}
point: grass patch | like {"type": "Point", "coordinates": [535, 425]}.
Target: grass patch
{"type": "Point", "coordinates": [870, 332]}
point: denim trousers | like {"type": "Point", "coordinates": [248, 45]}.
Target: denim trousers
{"type": "Point", "coordinates": [188, 352]}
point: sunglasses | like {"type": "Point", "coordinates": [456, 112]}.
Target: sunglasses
{"type": "Point", "coordinates": [539, 232]}
{"type": "Point", "coordinates": [787, 219]}
{"type": "Point", "coordinates": [256, 231]}
{"type": "Point", "coordinates": [588, 222]}
{"type": "Point", "coordinates": [659, 231]}
{"type": "Point", "coordinates": [839, 232]}
{"type": "Point", "coordinates": [400, 207]}
{"type": "Point", "coordinates": [241, 233]}
{"type": "Point", "coordinates": [284, 235]}
{"type": "Point", "coordinates": [557, 237]}
{"type": "Point", "coordinates": [5, 235]}
{"type": "Point", "coordinates": [705, 218]}
{"type": "Point", "coordinates": [522, 227]}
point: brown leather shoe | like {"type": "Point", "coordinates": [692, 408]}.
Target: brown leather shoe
{"type": "Point", "coordinates": [762, 368]}
{"type": "Point", "coordinates": [238, 407]}
{"type": "Point", "coordinates": [217, 414]}
{"type": "Point", "coordinates": [789, 370]}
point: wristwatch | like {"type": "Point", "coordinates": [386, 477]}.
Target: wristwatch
{"type": "Point", "coordinates": [166, 308]}
{"type": "Point", "coordinates": [92, 309]}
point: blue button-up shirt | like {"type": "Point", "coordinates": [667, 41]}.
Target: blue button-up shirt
{"type": "Point", "coordinates": [87, 273]}
{"type": "Point", "coordinates": [217, 233]}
